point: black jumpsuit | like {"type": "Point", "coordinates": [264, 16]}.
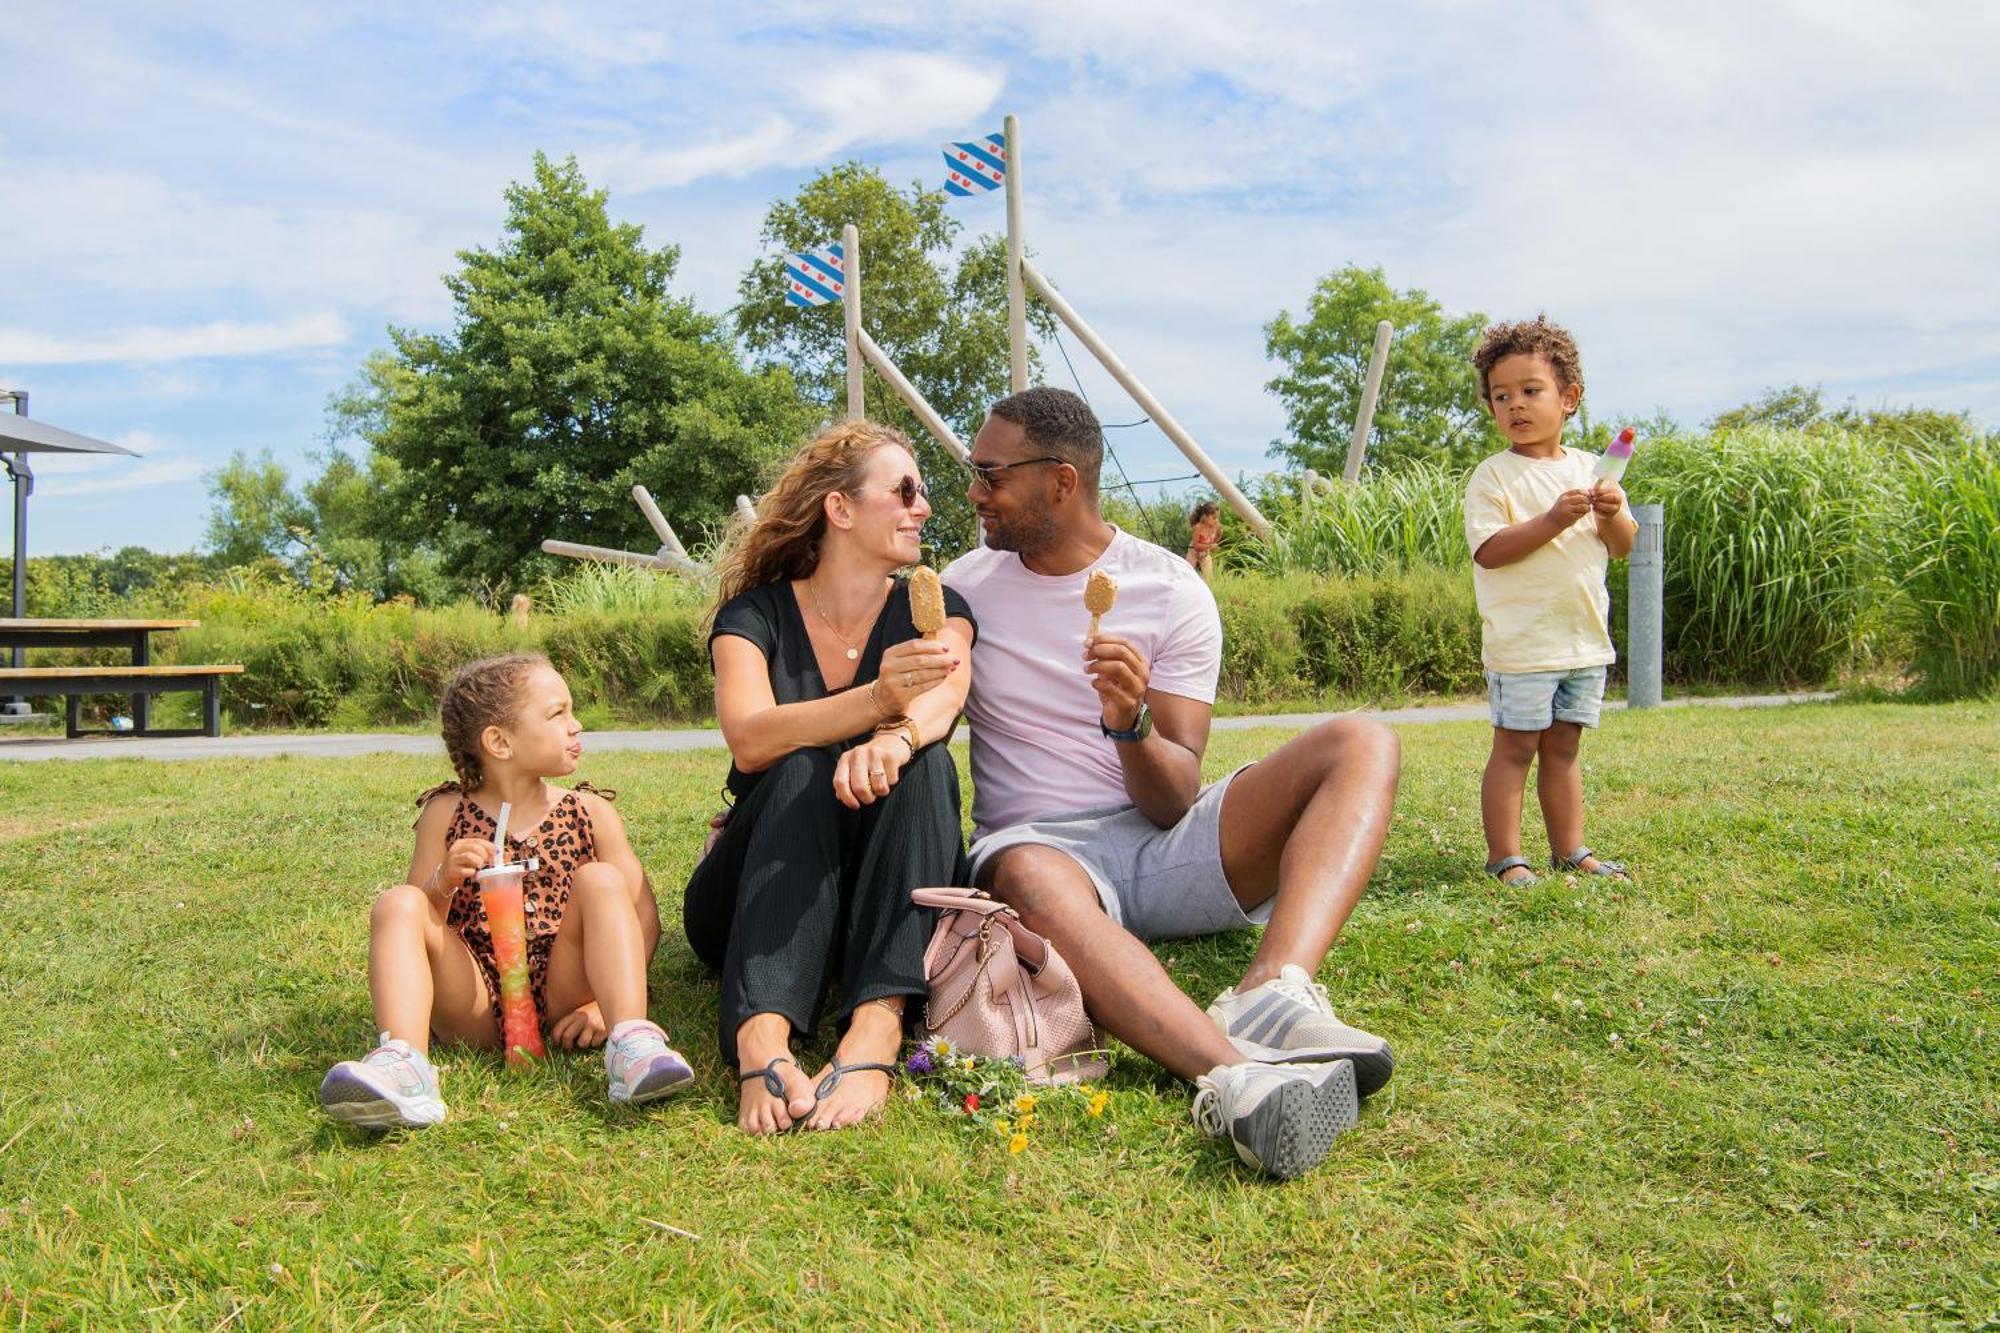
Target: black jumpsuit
{"type": "Point", "coordinates": [799, 887]}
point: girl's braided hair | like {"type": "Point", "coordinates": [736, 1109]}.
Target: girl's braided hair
{"type": "Point", "coordinates": [482, 694]}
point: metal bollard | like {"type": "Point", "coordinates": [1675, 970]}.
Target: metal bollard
{"type": "Point", "coordinates": [1645, 608]}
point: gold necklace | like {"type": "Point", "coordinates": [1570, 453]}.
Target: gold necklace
{"type": "Point", "coordinates": [852, 651]}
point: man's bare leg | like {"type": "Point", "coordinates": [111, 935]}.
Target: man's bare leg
{"type": "Point", "coordinates": [1307, 824]}
{"type": "Point", "coordinates": [1129, 994]}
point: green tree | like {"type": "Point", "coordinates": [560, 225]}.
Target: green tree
{"type": "Point", "coordinates": [253, 512]}
{"type": "Point", "coordinates": [570, 374]}
{"type": "Point", "coordinates": [1803, 408]}
{"type": "Point", "coordinates": [1429, 404]}
{"type": "Point", "coordinates": [942, 320]}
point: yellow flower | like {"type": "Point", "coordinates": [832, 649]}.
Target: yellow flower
{"type": "Point", "coordinates": [1017, 1144]}
{"type": "Point", "coordinates": [1025, 1102]}
{"type": "Point", "coordinates": [1098, 1102]}
{"type": "Point", "coordinates": [1003, 1128]}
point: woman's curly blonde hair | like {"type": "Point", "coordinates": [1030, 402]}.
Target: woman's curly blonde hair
{"type": "Point", "coordinates": [783, 541]}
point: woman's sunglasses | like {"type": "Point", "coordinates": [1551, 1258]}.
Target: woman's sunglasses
{"type": "Point", "coordinates": [908, 489]}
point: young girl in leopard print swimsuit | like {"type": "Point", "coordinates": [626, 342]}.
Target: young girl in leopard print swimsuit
{"type": "Point", "coordinates": [592, 921]}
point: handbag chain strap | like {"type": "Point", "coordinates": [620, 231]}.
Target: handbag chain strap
{"type": "Point", "coordinates": [979, 970]}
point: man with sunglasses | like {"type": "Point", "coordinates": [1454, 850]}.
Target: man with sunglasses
{"type": "Point", "coordinates": [1090, 815]}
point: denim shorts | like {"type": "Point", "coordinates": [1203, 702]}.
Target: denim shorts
{"type": "Point", "coordinates": [1534, 700]}
{"type": "Point", "coordinates": [1157, 883]}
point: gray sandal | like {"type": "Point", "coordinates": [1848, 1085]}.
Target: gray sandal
{"type": "Point", "coordinates": [1498, 869]}
{"type": "Point", "coordinates": [1574, 862]}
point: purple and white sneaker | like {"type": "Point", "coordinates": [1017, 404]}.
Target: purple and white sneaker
{"type": "Point", "coordinates": [392, 1087]}
{"type": "Point", "coordinates": [641, 1066]}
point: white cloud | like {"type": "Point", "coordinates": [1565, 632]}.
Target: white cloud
{"type": "Point", "coordinates": [148, 345]}
{"type": "Point", "coordinates": [878, 97]}
{"type": "Point", "coordinates": [160, 466]}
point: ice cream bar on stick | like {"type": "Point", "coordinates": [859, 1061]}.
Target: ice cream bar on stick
{"type": "Point", "coordinates": [1098, 595]}
{"type": "Point", "coordinates": [926, 601]}
{"type": "Point", "coordinates": [1611, 467]}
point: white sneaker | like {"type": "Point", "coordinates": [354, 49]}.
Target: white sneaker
{"type": "Point", "coordinates": [1281, 1118]}
{"type": "Point", "coordinates": [391, 1087]}
{"type": "Point", "coordinates": [1289, 1019]}
{"type": "Point", "coordinates": [639, 1064]}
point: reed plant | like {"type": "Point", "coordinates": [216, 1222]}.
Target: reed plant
{"type": "Point", "coordinates": [1773, 551]}
{"type": "Point", "coordinates": [1942, 548]}
{"type": "Point", "coordinates": [1407, 518]}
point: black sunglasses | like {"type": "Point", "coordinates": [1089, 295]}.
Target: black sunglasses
{"type": "Point", "coordinates": [988, 474]}
{"type": "Point", "coordinates": [908, 489]}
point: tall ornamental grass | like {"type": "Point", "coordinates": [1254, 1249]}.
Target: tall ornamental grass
{"type": "Point", "coordinates": [1408, 518]}
{"type": "Point", "coordinates": [1943, 554]}
{"type": "Point", "coordinates": [1773, 551]}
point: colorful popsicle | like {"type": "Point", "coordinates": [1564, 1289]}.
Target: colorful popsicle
{"type": "Point", "coordinates": [1611, 467]}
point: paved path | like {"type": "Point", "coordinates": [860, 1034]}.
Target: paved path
{"type": "Point", "coordinates": [327, 746]}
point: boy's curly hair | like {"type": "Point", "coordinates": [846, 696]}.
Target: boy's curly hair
{"type": "Point", "coordinates": [1540, 336]}
{"type": "Point", "coordinates": [482, 694]}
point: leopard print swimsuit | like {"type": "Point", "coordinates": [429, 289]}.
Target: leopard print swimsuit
{"type": "Point", "coordinates": [563, 842]}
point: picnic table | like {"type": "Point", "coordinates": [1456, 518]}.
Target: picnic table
{"type": "Point", "coordinates": [141, 680]}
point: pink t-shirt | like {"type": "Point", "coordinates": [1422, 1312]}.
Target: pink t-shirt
{"type": "Point", "coordinates": [1037, 751]}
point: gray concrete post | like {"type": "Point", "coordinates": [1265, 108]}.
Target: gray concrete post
{"type": "Point", "coordinates": [1645, 581]}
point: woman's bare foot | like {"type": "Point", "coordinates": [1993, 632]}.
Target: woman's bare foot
{"type": "Point", "coordinates": [764, 1054]}
{"type": "Point", "coordinates": [874, 1036]}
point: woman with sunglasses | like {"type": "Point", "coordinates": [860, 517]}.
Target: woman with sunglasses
{"type": "Point", "coordinates": [845, 797]}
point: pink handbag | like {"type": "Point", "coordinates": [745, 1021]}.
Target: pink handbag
{"type": "Point", "coordinates": [997, 988]}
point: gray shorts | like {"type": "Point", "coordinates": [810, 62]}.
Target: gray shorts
{"type": "Point", "coordinates": [1157, 883]}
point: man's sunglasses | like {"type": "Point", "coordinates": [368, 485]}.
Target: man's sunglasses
{"type": "Point", "coordinates": [988, 474]}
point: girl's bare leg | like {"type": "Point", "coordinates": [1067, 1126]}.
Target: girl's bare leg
{"type": "Point", "coordinates": [421, 976]}
{"type": "Point", "coordinates": [599, 955]}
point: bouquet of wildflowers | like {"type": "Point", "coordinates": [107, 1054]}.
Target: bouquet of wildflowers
{"type": "Point", "coordinates": [992, 1094]}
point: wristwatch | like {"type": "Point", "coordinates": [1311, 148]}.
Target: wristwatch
{"type": "Point", "coordinates": [1142, 727]}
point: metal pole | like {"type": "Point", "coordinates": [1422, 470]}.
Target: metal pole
{"type": "Point", "coordinates": [1017, 296]}
{"type": "Point", "coordinates": [1365, 418]}
{"type": "Point", "coordinates": [1645, 578]}
{"type": "Point", "coordinates": [670, 542]}
{"type": "Point", "coordinates": [24, 486]}
{"type": "Point", "coordinates": [908, 393]}
{"type": "Point", "coordinates": [579, 551]}
{"type": "Point", "coordinates": [1147, 403]}
{"type": "Point", "coordinates": [850, 301]}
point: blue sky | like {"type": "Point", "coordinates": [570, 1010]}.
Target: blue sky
{"type": "Point", "coordinates": [215, 209]}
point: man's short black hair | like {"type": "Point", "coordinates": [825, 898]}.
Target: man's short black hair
{"type": "Point", "coordinates": [1058, 422]}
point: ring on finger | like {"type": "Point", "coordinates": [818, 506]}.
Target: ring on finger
{"type": "Point", "coordinates": [909, 679]}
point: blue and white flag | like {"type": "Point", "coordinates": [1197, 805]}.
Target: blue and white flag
{"type": "Point", "coordinates": [976, 166]}
{"type": "Point", "coordinates": [815, 277]}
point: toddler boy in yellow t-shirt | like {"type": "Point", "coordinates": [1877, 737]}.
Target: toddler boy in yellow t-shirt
{"type": "Point", "coordinates": [1538, 575]}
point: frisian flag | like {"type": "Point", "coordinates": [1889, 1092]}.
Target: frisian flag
{"type": "Point", "coordinates": [976, 166]}
{"type": "Point", "coordinates": [815, 277]}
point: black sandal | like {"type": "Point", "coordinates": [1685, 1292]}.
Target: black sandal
{"type": "Point", "coordinates": [1498, 869]}
{"type": "Point", "coordinates": [776, 1087]}
{"type": "Point", "coordinates": [840, 1071]}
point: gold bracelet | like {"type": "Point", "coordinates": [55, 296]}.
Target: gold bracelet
{"type": "Point", "coordinates": [906, 728]}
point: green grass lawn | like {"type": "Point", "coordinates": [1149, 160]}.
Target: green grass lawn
{"type": "Point", "coordinates": [1759, 1086]}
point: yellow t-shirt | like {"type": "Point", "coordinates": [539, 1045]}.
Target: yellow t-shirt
{"type": "Point", "coordinates": [1548, 611]}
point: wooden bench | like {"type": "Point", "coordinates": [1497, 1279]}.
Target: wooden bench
{"type": "Point", "coordinates": [142, 681]}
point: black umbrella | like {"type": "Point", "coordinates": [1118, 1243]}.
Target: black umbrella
{"type": "Point", "coordinates": [20, 437]}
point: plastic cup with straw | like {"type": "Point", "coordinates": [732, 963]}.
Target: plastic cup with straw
{"type": "Point", "coordinates": [507, 922]}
